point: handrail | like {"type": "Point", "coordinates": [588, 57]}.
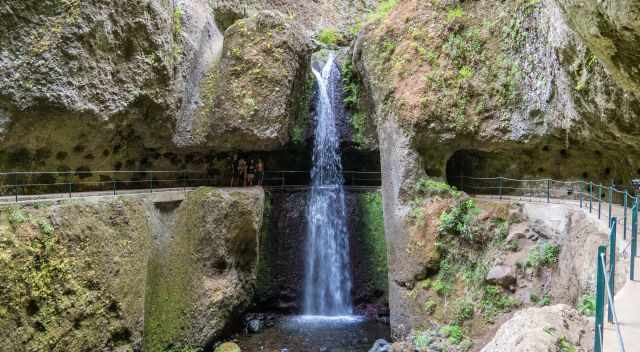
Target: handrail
{"type": "Point", "coordinates": [612, 307]}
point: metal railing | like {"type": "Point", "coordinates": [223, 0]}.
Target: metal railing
{"type": "Point", "coordinates": [587, 195]}
{"type": "Point", "coordinates": [17, 186]}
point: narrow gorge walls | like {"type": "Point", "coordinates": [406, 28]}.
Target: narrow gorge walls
{"type": "Point", "coordinates": [282, 250]}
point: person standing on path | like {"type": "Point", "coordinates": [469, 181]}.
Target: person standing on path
{"type": "Point", "coordinates": [235, 172]}
{"type": "Point", "coordinates": [260, 172]}
{"type": "Point", "coordinates": [251, 172]}
{"type": "Point", "coordinates": [242, 173]}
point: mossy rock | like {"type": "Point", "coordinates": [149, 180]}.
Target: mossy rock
{"type": "Point", "coordinates": [228, 347]}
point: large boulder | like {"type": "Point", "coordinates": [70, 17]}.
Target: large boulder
{"type": "Point", "coordinates": [203, 274]}
{"type": "Point", "coordinates": [252, 94]}
{"type": "Point", "coordinates": [73, 276]}
{"type": "Point", "coordinates": [543, 329]}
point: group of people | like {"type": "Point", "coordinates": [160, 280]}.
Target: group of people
{"type": "Point", "coordinates": [245, 174]}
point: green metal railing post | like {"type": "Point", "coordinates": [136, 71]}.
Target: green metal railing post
{"type": "Point", "coordinates": [590, 197]}
{"type": "Point", "coordinates": [599, 299]}
{"type": "Point", "coordinates": [548, 190]}
{"type": "Point", "coordinates": [634, 239]}
{"type": "Point", "coordinates": [151, 182]}
{"type": "Point", "coordinates": [599, 200]}
{"type": "Point", "coordinates": [612, 265]}
{"type": "Point", "coordinates": [624, 230]}
{"type": "Point", "coordinates": [580, 193]}
{"type": "Point", "coordinates": [70, 187]}
{"type": "Point", "coordinates": [610, 200]}
{"type": "Point", "coordinates": [500, 187]}
{"type": "Point", "coordinates": [114, 187]}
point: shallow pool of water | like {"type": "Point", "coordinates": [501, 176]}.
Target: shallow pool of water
{"type": "Point", "coordinates": [315, 334]}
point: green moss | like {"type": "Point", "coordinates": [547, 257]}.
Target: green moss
{"type": "Point", "coordinates": [383, 9]}
{"type": "Point", "coordinates": [302, 120]}
{"type": "Point", "coordinates": [264, 283]}
{"type": "Point", "coordinates": [371, 227]}
{"type": "Point", "coordinates": [587, 305]}
{"type": "Point", "coordinates": [330, 37]}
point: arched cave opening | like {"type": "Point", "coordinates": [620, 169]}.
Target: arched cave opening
{"type": "Point", "coordinates": [463, 162]}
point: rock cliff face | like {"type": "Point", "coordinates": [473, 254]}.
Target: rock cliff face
{"type": "Point", "coordinates": [95, 275]}
{"type": "Point", "coordinates": [202, 275]}
{"type": "Point", "coordinates": [155, 83]}
{"type": "Point", "coordinates": [73, 276]}
{"type": "Point", "coordinates": [487, 88]}
{"type": "Point", "coordinates": [611, 30]}
{"type": "Point", "coordinates": [520, 84]}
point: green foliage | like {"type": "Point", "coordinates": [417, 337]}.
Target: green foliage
{"type": "Point", "coordinates": [18, 216]}
{"type": "Point", "coordinates": [352, 87]}
{"type": "Point", "coordinates": [430, 187]}
{"type": "Point", "coordinates": [176, 49]}
{"type": "Point", "coordinates": [421, 340]}
{"type": "Point", "coordinates": [466, 72]}
{"type": "Point", "coordinates": [463, 311]}
{"type": "Point", "coordinates": [383, 9]}
{"type": "Point", "coordinates": [459, 220]}
{"type": "Point", "coordinates": [330, 37]}
{"type": "Point", "coordinates": [587, 305]}
{"type": "Point", "coordinates": [454, 14]}
{"type": "Point", "coordinates": [564, 345]}
{"type": "Point", "coordinates": [442, 287]}
{"type": "Point", "coordinates": [430, 306]}
{"type": "Point", "coordinates": [545, 301]}
{"type": "Point", "coordinates": [453, 332]}
{"type": "Point", "coordinates": [301, 123]}
{"type": "Point", "coordinates": [371, 225]}
{"type": "Point", "coordinates": [495, 301]}
{"type": "Point", "coordinates": [543, 255]}
{"type": "Point", "coordinates": [45, 227]}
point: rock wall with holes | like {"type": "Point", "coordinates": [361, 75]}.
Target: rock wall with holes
{"type": "Point", "coordinates": [154, 271]}
{"type": "Point", "coordinates": [159, 84]}
{"type": "Point", "coordinates": [486, 88]}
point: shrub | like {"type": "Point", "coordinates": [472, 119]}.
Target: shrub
{"type": "Point", "coordinates": [431, 187]}
{"type": "Point", "coordinates": [454, 14]}
{"type": "Point", "coordinates": [564, 345]}
{"type": "Point", "coordinates": [382, 10]}
{"type": "Point", "coordinates": [329, 36]}
{"type": "Point", "coordinates": [453, 332]}
{"type": "Point", "coordinates": [421, 340]}
{"type": "Point", "coordinates": [459, 220]}
{"type": "Point", "coordinates": [17, 216]}
{"type": "Point", "coordinates": [45, 227]}
{"type": "Point", "coordinates": [542, 255]}
{"type": "Point", "coordinates": [587, 305]}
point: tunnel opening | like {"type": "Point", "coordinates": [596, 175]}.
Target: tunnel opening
{"type": "Point", "coordinates": [463, 163]}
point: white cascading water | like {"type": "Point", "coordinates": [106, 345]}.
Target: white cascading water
{"type": "Point", "coordinates": [327, 290]}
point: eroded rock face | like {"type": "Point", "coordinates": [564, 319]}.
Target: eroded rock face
{"type": "Point", "coordinates": [542, 329]}
{"type": "Point", "coordinates": [73, 276]}
{"type": "Point", "coordinates": [254, 90]}
{"type": "Point", "coordinates": [523, 85]}
{"type": "Point", "coordinates": [612, 31]}
{"type": "Point", "coordinates": [126, 84]}
{"type": "Point", "coordinates": [203, 275]}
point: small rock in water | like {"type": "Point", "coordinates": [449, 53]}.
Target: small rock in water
{"type": "Point", "coordinates": [284, 350]}
{"type": "Point", "coordinates": [324, 349]}
{"type": "Point", "coordinates": [381, 346]}
{"type": "Point", "coordinates": [228, 347]}
{"type": "Point", "coordinates": [254, 326]}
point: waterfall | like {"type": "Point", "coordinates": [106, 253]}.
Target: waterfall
{"type": "Point", "coordinates": [327, 289]}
